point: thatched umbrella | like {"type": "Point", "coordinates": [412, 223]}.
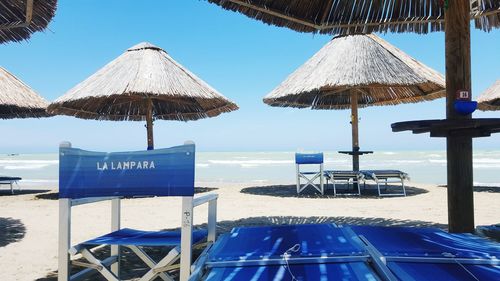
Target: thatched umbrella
{"type": "Point", "coordinates": [18, 100]}
{"type": "Point", "coordinates": [420, 16]}
{"type": "Point", "coordinates": [347, 16]}
{"type": "Point", "coordinates": [21, 18]}
{"type": "Point", "coordinates": [357, 71]}
{"type": "Point", "coordinates": [490, 99]}
{"type": "Point", "coordinates": [144, 83]}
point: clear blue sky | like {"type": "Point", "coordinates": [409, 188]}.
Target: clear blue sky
{"type": "Point", "coordinates": [242, 58]}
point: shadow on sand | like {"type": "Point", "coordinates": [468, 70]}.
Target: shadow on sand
{"type": "Point", "coordinates": [479, 188]}
{"type": "Point", "coordinates": [368, 191]}
{"type": "Point", "coordinates": [132, 267]}
{"type": "Point", "coordinates": [55, 195]}
{"type": "Point", "coordinates": [11, 230]}
{"type": "Point", "coordinates": [5, 192]}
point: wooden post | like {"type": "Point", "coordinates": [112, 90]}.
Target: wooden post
{"type": "Point", "coordinates": [149, 123]}
{"type": "Point", "coordinates": [355, 130]}
{"type": "Point", "coordinates": [459, 148]}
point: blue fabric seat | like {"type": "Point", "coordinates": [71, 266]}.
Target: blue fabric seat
{"type": "Point", "coordinates": [443, 271]}
{"type": "Point", "coordinates": [427, 242]}
{"type": "Point", "coordinates": [271, 242]}
{"type": "Point", "coordinates": [127, 236]}
{"type": "Point", "coordinates": [302, 272]}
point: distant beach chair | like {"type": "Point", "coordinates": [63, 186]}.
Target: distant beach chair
{"type": "Point", "coordinates": [350, 178]}
{"type": "Point", "coordinates": [386, 177]}
{"type": "Point", "coordinates": [10, 181]}
{"type": "Point", "coordinates": [308, 176]}
{"type": "Point", "coordinates": [88, 177]}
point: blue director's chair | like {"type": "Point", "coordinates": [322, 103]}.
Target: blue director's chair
{"type": "Point", "coordinates": [88, 177]}
{"type": "Point", "coordinates": [308, 176]}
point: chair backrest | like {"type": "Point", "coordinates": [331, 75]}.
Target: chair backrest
{"type": "Point", "coordinates": [161, 172]}
{"type": "Point", "coordinates": [308, 158]}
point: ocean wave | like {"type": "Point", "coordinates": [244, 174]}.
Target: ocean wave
{"type": "Point", "coordinates": [440, 161]}
{"type": "Point", "coordinates": [248, 163]}
{"type": "Point", "coordinates": [49, 162]}
{"type": "Point", "coordinates": [38, 181]}
{"type": "Point", "coordinates": [26, 167]}
{"type": "Point", "coordinates": [486, 166]}
{"type": "Point", "coordinates": [486, 160]}
{"type": "Point", "coordinates": [433, 155]}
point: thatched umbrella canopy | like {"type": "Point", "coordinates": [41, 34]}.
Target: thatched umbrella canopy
{"type": "Point", "coordinates": [490, 99]}
{"type": "Point", "coordinates": [21, 18]}
{"type": "Point", "coordinates": [144, 83]}
{"type": "Point", "coordinates": [18, 100]}
{"type": "Point", "coordinates": [419, 16]}
{"type": "Point", "coordinates": [350, 17]}
{"type": "Point", "coordinates": [357, 71]}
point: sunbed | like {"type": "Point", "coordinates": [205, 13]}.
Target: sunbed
{"type": "Point", "coordinates": [330, 252]}
{"type": "Point", "coordinates": [10, 181]}
{"type": "Point", "coordinates": [350, 178]}
{"type": "Point", "coordinates": [88, 177]}
{"type": "Point", "coordinates": [385, 177]}
{"type": "Point", "coordinates": [315, 159]}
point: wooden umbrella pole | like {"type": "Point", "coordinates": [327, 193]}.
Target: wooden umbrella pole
{"type": "Point", "coordinates": [459, 148]}
{"type": "Point", "coordinates": [355, 130]}
{"type": "Point", "coordinates": [149, 123]}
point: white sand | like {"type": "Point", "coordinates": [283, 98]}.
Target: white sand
{"type": "Point", "coordinates": [35, 255]}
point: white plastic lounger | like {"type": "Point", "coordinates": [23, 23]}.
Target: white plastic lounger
{"type": "Point", "coordinates": [88, 177]}
{"type": "Point", "coordinates": [10, 181]}
{"type": "Point", "coordinates": [309, 177]}
{"type": "Point", "coordinates": [387, 176]}
{"type": "Point", "coordinates": [348, 177]}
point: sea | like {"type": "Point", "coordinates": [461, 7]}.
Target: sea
{"type": "Point", "coordinates": [272, 168]}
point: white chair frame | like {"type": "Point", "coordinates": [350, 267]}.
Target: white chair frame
{"type": "Point", "coordinates": [310, 180]}
{"type": "Point", "coordinates": [110, 267]}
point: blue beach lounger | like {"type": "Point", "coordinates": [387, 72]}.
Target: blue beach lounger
{"type": "Point", "coordinates": [309, 177]}
{"type": "Point", "coordinates": [88, 177]}
{"type": "Point", "coordinates": [287, 252]}
{"type": "Point", "coordinates": [432, 254]}
{"type": "Point", "coordinates": [10, 181]}
{"type": "Point", "coordinates": [330, 252]}
{"type": "Point", "coordinates": [384, 176]}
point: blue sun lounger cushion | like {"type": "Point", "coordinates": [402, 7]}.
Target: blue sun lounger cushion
{"type": "Point", "coordinates": [301, 272]}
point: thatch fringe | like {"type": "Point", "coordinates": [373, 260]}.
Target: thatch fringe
{"type": "Point", "coordinates": [13, 26]}
{"type": "Point", "coordinates": [18, 100]}
{"type": "Point", "coordinates": [378, 72]}
{"type": "Point", "coordinates": [122, 89]}
{"type": "Point", "coordinates": [365, 16]}
{"type": "Point", "coordinates": [490, 99]}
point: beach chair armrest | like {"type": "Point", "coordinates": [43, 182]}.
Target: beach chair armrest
{"type": "Point", "coordinates": [89, 200]}
{"type": "Point", "coordinates": [204, 199]}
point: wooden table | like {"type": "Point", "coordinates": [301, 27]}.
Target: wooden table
{"type": "Point", "coordinates": [475, 128]}
{"type": "Point", "coordinates": [355, 152]}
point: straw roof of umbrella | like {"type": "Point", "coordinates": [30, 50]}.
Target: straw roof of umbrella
{"type": "Point", "coordinates": [18, 100]}
{"type": "Point", "coordinates": [380, 72]}
{"type": "Point", "coordinates": [21, 18]}
{"type": "Point", "coordinates": [348, 17]}
{"type": "Point", "coordinates": [490, 99]}
{"type": "Point", "coordinates": [144, 72]}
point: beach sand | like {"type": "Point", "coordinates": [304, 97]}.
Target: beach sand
{"type": "Point", "coordinates": [29, 226]}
